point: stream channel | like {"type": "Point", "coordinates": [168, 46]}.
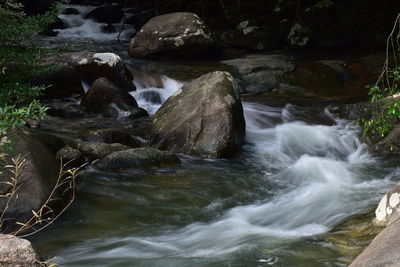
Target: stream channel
{"type": "Point", "coordinates": [300, 192]}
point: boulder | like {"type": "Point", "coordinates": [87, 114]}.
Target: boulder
{"type": "Point", "coordinates": [63, 82]}
{"type": "Point", "coordinates": [137, 158]}
{"type": "Point", "coordinates": [110, 136]}
{"type": "Point", "coordinates": [106, 14]}
{"type": "Point", "coordinates": [92, 66]}
{"type": "Point", "coordinates": [388, 210]}
{"type": "Point", "coordinates": [172, 35]}
{"type": "Point", "coordinates": [383, 250]}
{"type": "Point", "coordinates": [204, 118]}
{"type": "Point", "coordinates": [104, 97]}
{"type": "Point", "coordinates": [37, 178]}
{"type": "Point", "coordinates": [16, 252]}
{"type": "Point", "coordinates": [97, 150]}
{"type": "Point", "coordinates": [261, 73]}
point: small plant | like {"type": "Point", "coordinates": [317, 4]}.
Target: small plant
{"type": "Point", "coordinates": [385, 112]}
{"type": "Point", "coordinates": [45, 215]}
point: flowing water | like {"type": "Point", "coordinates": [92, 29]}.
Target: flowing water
{"type": "Point", "coordinates": [301, 172]}
{"type": "Point", "coordinates": [78, 26]}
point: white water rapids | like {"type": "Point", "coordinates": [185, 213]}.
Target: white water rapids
{"type": "Point", "coordinates": [319, 170]}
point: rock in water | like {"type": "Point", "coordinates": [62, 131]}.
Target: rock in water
{"type": "Point", "coordinates": [204, 118]}
{"type": "Point", "coordinates": [383, 250]}
{"type": "Point", "coordinates": [177, 34]}
{"type": "Point", "coordinates": [16, 251]}
{"type": "Point", "coordinates": [137, 158]}
{"type": "Point", "coordinates": [92, 66]}
{"type": "Point", "coordinates": [103, 97]}
{"type": "Point", "coordinates": [388, 210]}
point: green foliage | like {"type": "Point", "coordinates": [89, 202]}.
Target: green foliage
{"type": "Point", "coordinates": [12, 117]}
{"type": "Point", "coordinates": [20, 62]}
{"type": "Point", "coordinates": [385, 113]}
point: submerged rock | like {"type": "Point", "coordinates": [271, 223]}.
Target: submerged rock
{"type": "Point", "coordinates": [171, 35]}
{"type": "Point", "coordinates": [137, 158]}
{"type": "Point", "coordinates": [16, 252]}
{"type": "Point", "coordinates": [204, 118]}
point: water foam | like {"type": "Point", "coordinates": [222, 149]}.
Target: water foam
{"type": "Point", "coordinates": [319, 164]}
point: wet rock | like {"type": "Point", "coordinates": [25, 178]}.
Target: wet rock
{"type": "Point", "coordinates": [137, 158]}
{"type": "Point", "coordinates": [16, 252]}
{"type": "Point", "coordinates": [97, 150]}
{"type": "Point", "coordinates": [383, 250]}
{"type": "Point", "coordinates": [71, 156]}
{"type": "Point", "coordinates": [174, 35]}
{"type": "Point", "coordinates": [66, 110]}
{"type": "Point", "coordinates": [261, 73]}
{"type": "Point", "coordinates": [388, 210]}
{"type": "Point", "coordinates": [106, 14]}
{"type": "Point", "coordinates": [122, 111]}
{"type": "Point", "coordinates": [92, 66]}
{"type": "Point", "coordinates": [63, 82]}
{"type": "Point", "coordinates": [104, 97]}
{"type": "Point", "coordinates": [110, 136]}
{"type": "Point", "coordinates": [37, 179]}
{"type": "Point", "coordinates": [204, 118]}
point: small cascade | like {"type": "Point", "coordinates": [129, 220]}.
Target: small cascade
{"type": "Point", "coordinates": [78, 26]}
{"type": "Point", "coordinates": [152, 90]}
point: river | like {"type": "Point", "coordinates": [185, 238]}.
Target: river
{"type": "Point", "coordinates": [302, 173]}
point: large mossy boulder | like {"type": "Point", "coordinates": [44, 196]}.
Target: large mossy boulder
{"type": "Point", "coordinates": [172, 35]}
{"type": "Point", "coordinates": [204, 118]}
{"type": "Point", "coordinates": [37, 178]}
{"type": "Point", "coordinates": [16, 251]}
{"type": "Point", "coordinates": [137, 158]}
{"type": "Point", "coordinates": [92, 66]}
